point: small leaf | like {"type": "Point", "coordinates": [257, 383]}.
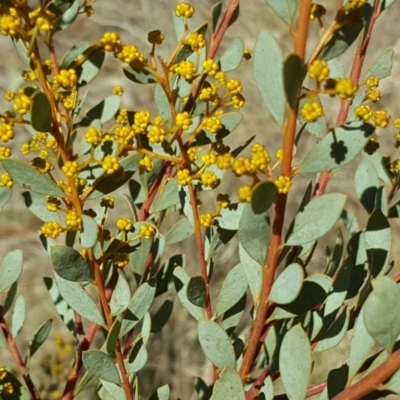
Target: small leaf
{"type": "Point", "coordinates": [101, 365]}
{"type": "Point", "coordinates": [228, 386]}
{"type": "Point", "coordinates": [335, 334]}
{"type": "Point", "coordinates": [138, 355]}
{"type": "Point", "coordinates": [253, 272]}
{"type": "Point", "coordinates": [382, 67]}
{"type": "Point", "coordinates": [115, 391]}
{"type": "Point", "coordinates": [267, 390]}
{"type": "Point", "coordinates": [138, 306]}
{"type": "Point", "coordinates": [103, 111]}
{"type": "Point", "coordinates": [162, 393]}
{"type": "Point", "coordinates": [263, 196]}
{"type": "Point", "coordinates": [18, 316]}
{"type": "Point", "coordinates": [40, 337]}
{"type": "Point", "coordinates": [5, 195]}
{"type": "Point", "coordinates": [269, 75]}
{"type": "Point", "coordinates": [121, 295]}
{"type": "Point", "coordinates": [78, 299]}
{"type": "Point", "coordinates": [10, 269]}
{"type": "Point", "coordinates": [229, 217]}
{"type": "Point", "coordinates": [90, 231]}
{"type": "Point", "coordinates": [162, 104]}
{"type": "Point", "coordinates": [361, 345]}
{"type": "Point", "coordinates": [167, 196]}
{"type": "Point", "coordinates": [284, 9]}
{"type": "Point", "coordinates": [87, 71]}
{"type": "Point", "coordinates": [254, 233]}
{"type": "Point", "coordinates": [37, 205]}
{"type": "Point", "coordinates": [70, 265]}
{"type": "Point", "coordinates": [41, 113]}
{"type": "Point", "coordinates": [232, 56]}
{"type": "Point", "coordinates": [380, 163]}
{"type": "Point", "coordinates": [317, 128]}
{"type": "Point", "coordinates": [69, 16]}
{"type": "Point", "coordinates": [338, 148]}
{"type": "Point", "coordinates": [196, 291]}
{"type": "Point", "coordinates": [31, 179]}
{"type": "Point", "coordinates": [216, 13]}
{"type": "Point", "coordinates": [182, 230]}
{"type": "Point", "coordinates": [382, 312]}
{"type": "Point", "coordinates": [287, 286]}
{"type": "Point", "coordinates": [366, 183]}
{"type": "Point", "coordinates": [233, 288]}
{"type": "Point", "coordinates": [336, 69]}
{"type": "Point", "coordinates": [181, 280]}
{"type": "Point", "coordinates": [294, 72]}
{"type": "Point", "coordinates": [295, 363]}
{"type": "Point", "coordinates": [216, 344]}
{"type": "Point", "coordinates": [161, 317]}
{"type": "Point", "coordinates": [325, 209]}
{"type": "Point", "coordinates": [139, 75]}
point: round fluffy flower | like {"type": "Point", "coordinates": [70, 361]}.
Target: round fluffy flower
{"type": "Point", "coordinates": [209, 179]}
{"type": "Point", "coordinates": [196, 41]}
{"type": "Point", "coordinates": [6, 132]}
{"type": "Point", "coordinates": [146, 164]}
{"type": "Point", "coordinates": [318, 70]}
{"type": "Point", "coordinates": [208, 93]}
{"type": "Point", "coordinates": [156, 134]}
{"type": "Point", "coordinates": [6, 181]}
{"type": "Point", "coordinates": [213, 124]}
{"type": "Point", "coordinates": [147, 231]}
{"type": "Point", "coordinates": [22, 104]}
{"type": "Point", "coordinates": [70, 168]}
{"type": "Point", "coordinates": [283, 184]}
{"type": "Point", "coordinates": [107, 201]}
{"type": "Point", "coordinates": [184, 10]}
{"type": "Point", "coordinates": [244, 193]}
{"type": "Point", "coordinates": [67, 78]}
{"type": "Point", "coordinates": [5, 152]}
{"type": "Point", "coordinates": [118, 91]}
{"type": "Point", "coordinates": [93, 136]}
{"type": "Point", "coordinates": [52, 204]}
{"type": "Point", "coordinates": [208, 159]}
{"type": "Point", "coordinates": [210, 67]}
{"type": "Point", "coordinates": [51, 229]}
{"type": "Point", "coordinates": [238, 100]}
{"type": "Point", "coordinates": [381, 118]}
{"type": "Point", "coordinates": [183, 120]}
{"type": "Point", "coordinates": [110, 41]}
{"type": "Point", "coordinates": [224, 161]}
{"type": "Point", "coordinates": [72, 220]}
{"type": "Point", "coordinates": [110, 164]}
{"type": "Point", "coordinates": [372, 81]}
{"type": "Point", "coordinates": [279, 154]}
{"type": "Point", "coordinates": [186, 69]}
{"type": "Point", "coordinates": [311, 111]}
{"type": "Point", "coordinates": [206, 220]}
{"type": "Point", "coordinates": [183, 177]}
{"type": "Point", "coordinates": [373, 94]}
{"type": "Point", "coordinates": [234, 86]}
{"type": "Point", "coordinates": [124, 224]}
{"type": "Point", "coordinates": [345, 88]}
{"type": "Point", "coordinates": [141, 122]}
{"type": "Point", "coordinates": [10, 22]}
{"type": "Point", "coordinates": [363, 111]}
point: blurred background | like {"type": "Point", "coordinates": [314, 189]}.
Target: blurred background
{"type": "Point", "coordinates": [174, 354]}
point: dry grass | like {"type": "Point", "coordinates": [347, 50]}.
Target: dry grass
{"type": "Point", "coordinates": [174, 355]}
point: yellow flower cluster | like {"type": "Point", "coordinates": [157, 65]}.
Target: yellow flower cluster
{"type": "Point", "coordinates": [147, 231]}
{"type": "Point", "coordinates": [6, 181]}
{"type": "Point", "coordinates": [318, 70]}
{"type": "Point", "coordinates": [22, 103]}
{"type": "Point", "coordinates": [311, 111]}
{"type": "Point", "coordinates": [184, 10]}
{"type": "Point", "coordinates": [196, 41]}
{"type": "Point", "coordinates": [6, 387]}
{"type": "Point", "coordinates": [141, 122]}
{"type": "Point", "coordinates": [283, 184]}
{"type": "Point", "coordinates": [107, 202]}
{"type": "Point", "coordinates": [43, 19]}
{"type": "Point", "coordinates": [51, 229]}
{"type": "Point", "coordinates": [110, 164]}
{"type": "Point", "coordinates": [186, 69]}
{"type": "Point", "coordinates": [7, 132]}
{"type": "Point", "coordinates": [206, 220]}
{"type": "Point", "coordinates": [118, 91]}
{"type": "Point", "coordinates": [120, 260]}
{"type": "Point", "coordinates": [183, 120]}
{"type": "Point", "coordinates": [110, 41]}
{"type": "Point", "coordinates": [10, 22]}
{"type": "Point", "coordinates": [363, 111]}
{"type": "Point", "coordinates": [41, 165]}
{"type": "Point", "coordinates": [244, 193]}
{"type": "Point", "coordinates": [70, 168]}
{"type": "Point", "coordinates": [67, 78]}
{"type": "Point", "coordinates": [210, 67]}
{"type": "Point", "coordinates": [381, 118]}
{"type": "Point", "coordinates": [52, 204]}
{"type": "Point", "coordinates": [345, 88]}
{"type": "Point", "coordinates": [156, 134]}
{"type": "Point", "coordinates": [124, 224]}
{"type": "Point", "coordinates": [72, 220]}
{"type": "Point", "coordinates": [93, 136]}
{"type": "Point", "coordinates": [5, 152]}
{"type": "Point", "coordinates": [146, 164]}
{"type": "Point", "coordinates": [155, 37]}
{"type": "Point", "coordinates": [209, 179]}
{"type": "Point", "coordinates": [212, 124]}
{"type": "Point", "coordinates": [183, 177]}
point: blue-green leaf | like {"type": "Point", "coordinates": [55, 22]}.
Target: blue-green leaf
{"type": "Point", "coordinates": [89, 234]}
{"type": "Point", "coordinates": [182, 230]}
{"type": "Point", "coordinates": [101, 365]}
{"type": "Point", "coordinates": [285, 9]}
{"type": "Point", "coordinates": [382, 312]}
{"type": "Point", "coordinates": [10, 269]}
{"type": "Point", "coordinates": [382, 67]}
{"type": "Point", "coordinates": [295, 363]}
{"type": "Point", "coordinates": [162, 393]}
{"type": "Point", "coordinates": [70, 265]}
{"type": "Point", "coordinates": [294, 72]}
{"type": "Point", "coordinates": [37, 205]}
{"type": "Point", "coordinates": [5, 195]}
{"type": "Point", "coordinates": [162, 103]}
{"type": "Point", "coordinates": [18, 316]}
{"type": "Point", "coordinates": [253, 272]}
{"type": "Point", "coordinates": [103, 111]}
{"type": "Point", "coordinates": [268, 74]}
{"type": "Point", "coordinates": [338, 147]}
{"type": "Point", "coordinates": [325, 209]}
{"type": "Point", "coordinates": [288, 285]}
{"type": "Point", "coordinates": [139, 75]}
{"type": "Point", "coordinates": [233, 288]}
{"type": "Point", "coordinates": [41, 113]}
{"type": "Point", "coordinates": [216, 344]}
{"type": "Point", "coordinates": [31, 179]}
{"type": "Point", "coordinates": [366, 183]}
{"type": "Point", "coordinates": [254, 233]}
{"type": "Point", "coordinates": [232, 56]}
{"type": "Point", "coordinates": [263, 196]}
{"type": "Point", "coordinates": [78, 299]}
{"type": "Point", "coordinates": [167, 196]}
{"type": "Point", "coordinates": [196, 291]}
{"type": "Point", "coordinates": [229, 217]}
{"type": "Point", "coordinates": [121, 295]}
{"type": "Point", "coordinates": [228, 386]}
{"type": "Point", "coordinates": [39, 338]}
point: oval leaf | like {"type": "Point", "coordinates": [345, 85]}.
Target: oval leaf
{"type": "Point", "coordinates": [382, 312]}
{"type": "Point", "coordinates": [10, 269]}
{"type": "Point", "coordinates": [284, 9]}
{"type": "Point", "coordinates": [196, 291]}
{"type": "Point", "coordinates": [338, 147]}
{"type": "Point", "coordinates": [18, 316]}
{"type": "Point", "coordinates": [317, 218]}
{"type": "Point", "coordinates": [89, 233]}
{"type": "Point", "coordinates": [103, 111]}
{"type": "Point", "coordinates": [294, 72]}
{"type": "Point", "coordinates": [31, 179]}
{"type": "Point", "coordinates": [287, 286]}
{"type": "Point", "coordinates": [216, 344]}
{"type": "Point", "coordinates": [263, 196]}
{"type": "Point", "coordinates": [233, 55]}
{"type": "Point", "coordinates": [70, 265]}
{"type": "Point", "coordinates": [41, 113]}
{"type": "Point", "coordinates": [101, 366]}
{"type": "Point", "coordinates": [295, 363]}
{"type": "Point", "coordinates": [228, 386]}
{"type": "Point", "coordinates": [268, 74]}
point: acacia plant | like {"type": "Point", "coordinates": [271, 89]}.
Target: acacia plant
{"type": "Point", "coordinates": [260, 330]}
